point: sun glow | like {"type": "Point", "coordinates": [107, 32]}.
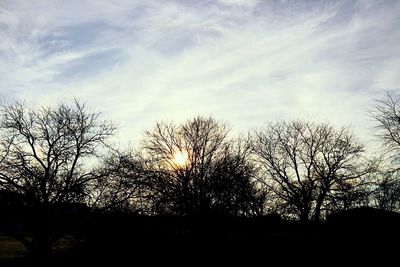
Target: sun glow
{"type": "Point", "coordinates": [180, 158]}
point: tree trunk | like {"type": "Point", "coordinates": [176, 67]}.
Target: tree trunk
{"type": "Point", "coordinates": [304, 215]}
{"type": "Point", "coordinates": [320, 201]}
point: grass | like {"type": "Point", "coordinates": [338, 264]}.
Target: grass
{"type": "Point", "coordinates": [11, 249]}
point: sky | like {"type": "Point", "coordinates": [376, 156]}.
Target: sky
{"type": "Point", "coordinates": [243, 62]}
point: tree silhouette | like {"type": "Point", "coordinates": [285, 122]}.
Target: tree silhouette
{"type": "Point", "coordinates": [121, 183]}
{"type": "Point", "coordinates": [306, 163]}
{"type": "Point", "coordinates": [46, 157]}
{"type": "Point", "coordinates": [350, 194]}
{"type": "Point", "coordinates": [386, 114]}
{"type": "Point", "coordinates": [386, 193]}
{"type": "Point", "coordinates": [215, 175]}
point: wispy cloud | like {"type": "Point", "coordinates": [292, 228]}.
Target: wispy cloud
{"type": "Point", "coordinates": [246, 62]}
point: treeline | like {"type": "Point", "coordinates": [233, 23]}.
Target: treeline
{"type": "Point", "coordinates": [60, 160]}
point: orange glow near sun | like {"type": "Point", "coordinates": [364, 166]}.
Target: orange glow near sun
{"type": "Point", "coordinates": [180, 158]}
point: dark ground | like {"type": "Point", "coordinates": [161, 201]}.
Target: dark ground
{"type": "Point", "coordinates": [360, 236]}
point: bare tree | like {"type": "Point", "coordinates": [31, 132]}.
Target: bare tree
{"type": "Point", "coordinates": [233, 185]}
{"type": "Point", "coordinates": [197, 169]}
{"type": "Point", "coordinates": [304, 163]}
{"type": "Point", "coordinates": [120, 184]}
{"type": "Point", "coordinates": [47, 156]}
{"type": "Point", "coordinates": [386, 192]}
{"type": "Point", "coordinates": [387, 115]}
{"type": "Point", "coordinates": [350, 194]}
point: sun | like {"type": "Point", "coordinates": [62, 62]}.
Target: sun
{"type": "Point", "coordinates": [180, 158]}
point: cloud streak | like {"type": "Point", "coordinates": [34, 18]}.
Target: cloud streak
{"type": "Point", "coordinates": [246, 62]}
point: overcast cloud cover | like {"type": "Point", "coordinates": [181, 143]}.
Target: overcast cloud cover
{"type": "Point", "coordinates": [245, 62]}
